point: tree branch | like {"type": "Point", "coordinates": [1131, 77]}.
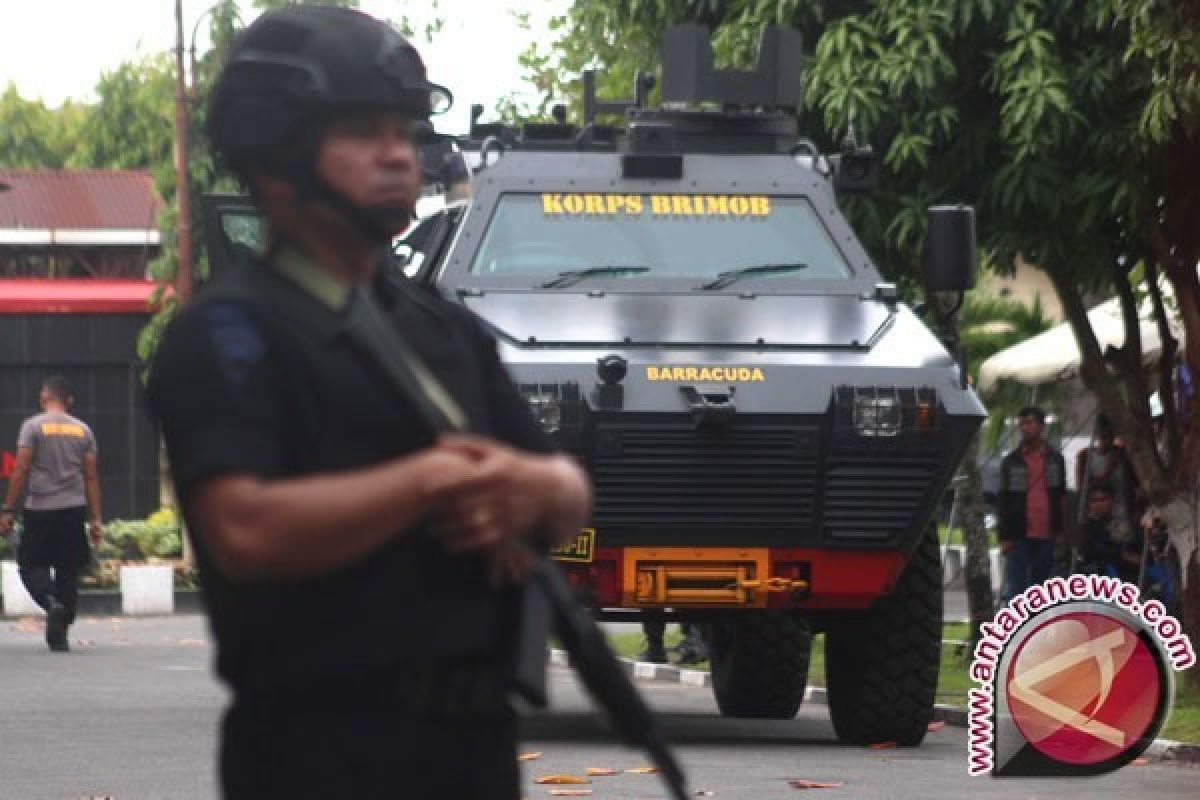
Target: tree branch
{"type": "Point", "coordinates": [1186, 284]}
{"type": "Point", "coordinates": [1131, 360]}
{"type": "Point", "coordinates": [1104, 385]}
{"type": "Point", "coordinates": [1166, 369]}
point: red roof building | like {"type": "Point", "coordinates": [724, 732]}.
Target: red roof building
{"type": "Point", "coordinates": [77, 241]}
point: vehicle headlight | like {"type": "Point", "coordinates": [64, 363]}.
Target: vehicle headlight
{"type": "Point", "coordinates": [547, 410]}
{"type": "Point", "coordinates": [556, 407]}
{"type": "Point", "coordinates": [877, 415]}
{"type": "Point", "coordinates": [885, 411]}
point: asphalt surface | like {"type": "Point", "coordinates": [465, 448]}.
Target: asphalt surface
{"type": "Point", "coordinates": [131, 713]}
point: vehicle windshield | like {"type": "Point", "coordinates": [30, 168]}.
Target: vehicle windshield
{"type": "Point", "coordinates": [694, 237]}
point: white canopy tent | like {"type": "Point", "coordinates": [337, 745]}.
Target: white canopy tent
{"type": "Point", "coordinates": [1053, 355]}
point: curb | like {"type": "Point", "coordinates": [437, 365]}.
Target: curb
{"type": "Point", "coordinates": [107, 603]}
{"type": "Point", "coordinates": [645, 671]}
{"type": "Point", "coordinates": [1159, 749]}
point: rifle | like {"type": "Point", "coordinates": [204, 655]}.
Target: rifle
{"type": "Point", "coordinates": [548, 599]}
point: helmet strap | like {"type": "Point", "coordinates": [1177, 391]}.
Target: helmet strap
{"type": "Point", "coordinates": [312, 187]}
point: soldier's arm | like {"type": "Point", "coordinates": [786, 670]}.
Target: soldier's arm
{"type": "Point", "coordinates": [16, 483]}
{"type": "Point", "coordinates": [1064, 502]}
{"type": "Point", "coordinates": [260, 529]}
{"type": "Point", "coordinates": [91, 487]}
{"type": "Point", "coordinates": [1003, 534]}
{"type": "Point", "coordinates": [545, 494]}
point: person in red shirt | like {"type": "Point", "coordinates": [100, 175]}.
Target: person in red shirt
{"type": "Point", "coordinates": [1032, 499]}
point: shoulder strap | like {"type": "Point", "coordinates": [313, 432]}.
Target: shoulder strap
{"type": "Point", "coordinates": [369, 330]}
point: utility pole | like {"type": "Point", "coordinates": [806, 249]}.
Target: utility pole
{"type": "Point", "coordinates": [183, 275]}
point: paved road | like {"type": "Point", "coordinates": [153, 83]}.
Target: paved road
{"type": "Point", "coordinates": [132, 713]}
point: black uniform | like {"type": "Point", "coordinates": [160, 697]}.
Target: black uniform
{"type": "Point", "coordinates": [359, 682]}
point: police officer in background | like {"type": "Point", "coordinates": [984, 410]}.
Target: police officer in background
{"type": "Point", "coordinates": [359, 569]}
{"type": "Point", "coordinates": [56, 456]}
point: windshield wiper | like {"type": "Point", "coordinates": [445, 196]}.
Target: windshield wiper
{"type": "Point", "coordinates": [723, 279]}
{"type": "Point", "coordinates": [574, 276]}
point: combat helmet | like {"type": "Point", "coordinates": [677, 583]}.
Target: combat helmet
{"type": "Point", "coordinates": [294, 69]}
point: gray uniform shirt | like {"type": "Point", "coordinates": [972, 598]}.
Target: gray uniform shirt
{"type": "Point", "coordinates": [59, 443]}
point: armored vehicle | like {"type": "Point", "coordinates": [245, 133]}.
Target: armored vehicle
{"type": "Point", "coordinates": [768, 428]}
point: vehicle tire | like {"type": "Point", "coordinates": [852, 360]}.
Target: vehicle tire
{"type": "Point", "coordinates": [881, 668]}
{"type": "Point", "coordinates": [759, 662]}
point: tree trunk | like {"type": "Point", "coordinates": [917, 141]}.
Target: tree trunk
{"type": "Point", "coordinates": [1182, 517]}
{"type": "Point", "coordinates": [1191, 615]}
{"type": "Point", "coordinates": [979, 565]}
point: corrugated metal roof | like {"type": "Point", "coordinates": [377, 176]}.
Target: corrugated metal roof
{"type": "Point", "coordinates": [75, 296]}
{"type": "Point", "coordinates": [78, 199]}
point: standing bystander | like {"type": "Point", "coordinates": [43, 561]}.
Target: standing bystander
{"type": "Point", "coordinates": [1032, 500]}
{"type": "Point", "coordinates": [56, 452]}
{"type": "Point", "coordinates": [1104, 463]}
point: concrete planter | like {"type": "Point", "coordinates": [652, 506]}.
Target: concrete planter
{"type": "Point", "coordinates": [16, 600]}
{"type": "Point", "coordinates": [954, 561]}
{"type": "Point", "coordinates": [144, 595]}
{"type": "Point", "coordinates": [147, 589]}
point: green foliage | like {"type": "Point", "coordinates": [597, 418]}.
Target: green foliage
{"type": "Point", "coordinates": [989, 325]}
{"type": "Point", "coordinates": [32, 135]}
{"type": "Point", "coordinates": [158, 536]}
{"type": "Point", "coordinates": [130, 126]}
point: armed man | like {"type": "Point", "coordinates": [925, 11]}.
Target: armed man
{"type": "Point", "coordinates": [360, 570]}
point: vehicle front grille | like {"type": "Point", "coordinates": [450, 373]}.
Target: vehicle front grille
{"type": "Point", "coordinates": [873, 497]}
{"type": "Point", "coordinates": [674, 475]}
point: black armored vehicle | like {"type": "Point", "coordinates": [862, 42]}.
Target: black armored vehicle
{"type": "Point", "coordinates": [769, 429]}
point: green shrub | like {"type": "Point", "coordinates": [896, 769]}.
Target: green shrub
{"type": "Point", "coordinates": [158, 536]}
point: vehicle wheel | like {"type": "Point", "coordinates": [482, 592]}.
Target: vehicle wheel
{"type": "Point", "coordinates": [759, 663]}
{"type": "Point", "coordinates": [881, 669]}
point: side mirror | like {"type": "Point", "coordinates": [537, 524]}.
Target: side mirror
{"type": "Point", "coordinates": [856, 170]}
{"type": "Point", "coordinates": [950, 249]}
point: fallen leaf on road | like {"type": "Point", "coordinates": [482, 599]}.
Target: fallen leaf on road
{"type": "Point", "coordinates": [883, 745]}
{"type": "Point", "coordinates": [801, 783]}
{"type": "Point", "coordinates": [598, 771]}
{"type": "Point", "coordinates": [190, 642]}
{"type": "Point", "coordinates": [85, 643]}
{"type": "Point", "coordinates": [570, 792]}
{"type": "Point", "coordinates": [643, 770]}
{"type": "Point", "coordinates": [1140, 762]}
{"type": "Point", "coordinates": [28, 625]}
{"type": "Point", "coordinates": [937, 725]}
{"type": "Point", "coordinates": [529, 756]}
{"type": "Point", "coordinates": [561, 779]}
